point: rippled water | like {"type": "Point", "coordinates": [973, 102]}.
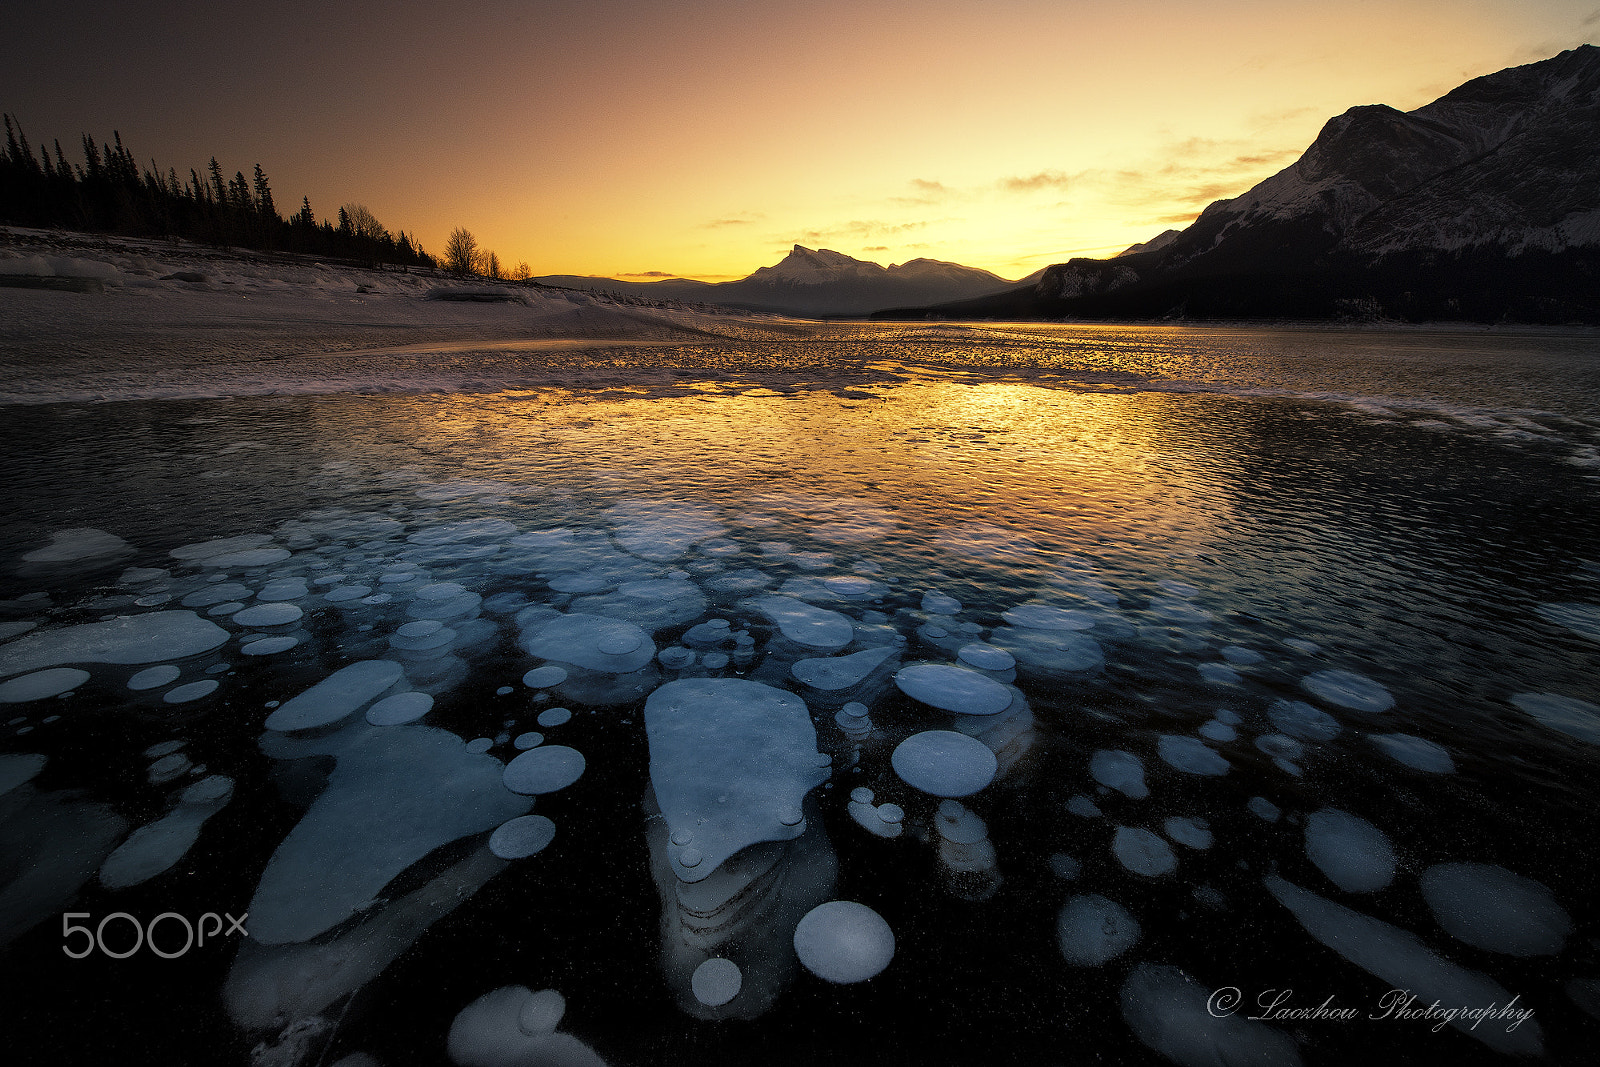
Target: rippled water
{"type": "Point", "coordinates": [1411, 507]}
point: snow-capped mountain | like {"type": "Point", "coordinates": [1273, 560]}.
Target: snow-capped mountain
{"type": "Point", "coordinates": [811, 281]}
{"type": "Point", "coordinates": [1484, 204]}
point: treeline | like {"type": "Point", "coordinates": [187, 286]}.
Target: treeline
{"type": "Point", "coordinates": [110, 193]}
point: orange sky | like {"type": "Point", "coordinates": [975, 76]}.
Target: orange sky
{"type": "Point", "coordinates": [618, 137]}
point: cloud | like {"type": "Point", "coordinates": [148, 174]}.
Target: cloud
{"type": "Point", "coordinates": [923, 185]}
{"type": "Point", "coordinates": [718, 223]}
{"type": "Point", "coordinates": [876, 248]}
{"type": "Point", "coordinates": [861, 229]}
{"type": "Point", "coordinates": [646, 274]}
{"type": "Point", "coordinates": [1045, 179]}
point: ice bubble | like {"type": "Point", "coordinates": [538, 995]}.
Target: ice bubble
{"type": "Point", "coordinates": [935, 631]}
{"type": "Point", "coordinates": [843, 942]}
{"type": "Point", "coordinates": [871, 819]}
{"type": "Point", "coordinates": [268, 646]}
{"type": "Point", "coordinates": [249, 557]}
{"type": "Point", "coordinates": [1355, 855]}
{"type": "Point", "coordinates": [1580, 618]}
{"type": "Point", "coordinates": [219, 546]}
{"type": "Point", "coordinates": [805, 625]}
{"type": "Point", "coordinates": [729, 758]}
{"type": "Point", "coordinates": [215, 594]}
{"type": "Point", "coordinates": [545, 769]}
{"type": "Point", "coordinates": [986, 657]}
{"type": "Point", "coordinates": [850, 587]}
{"type": "Point", "coordinates": [1347, 689]}
{"type": "Point", "coordinates": [618, 644]}
{"type": "Point", "coordinates": [1084, 808]}
{"type": "Point", "coordinates": [542, 1012]}
{"type": "Point", "coordinates": [1195, 833]}
{"type": "Point", "coordinates": [451, 533]}
{"type": "Point", "coordinates": [1119, 770]}
{"type": "Point", "coordinates": [396, 577]}
{"type": "Point", "coordinates": [936, 603]}
{"type": "Point", "coordinates": [262, 615]}
{"type": "Point", "coordinates": [1217, 731]}
{"type": "Point", "coordinates": [1281, 746]}
{"type": "Point", "coordinates": [1263, 808]}
{"type": "Point", "coordinates": [18, 769]}
{"type": "Point", "coordinates": [676, 657]}
{"type": "Point", "coordinates": [1142, 852]}
{"type": "Point", "coordinates": [167, 768]}
{"type": "Point", "coordinates": [1491, 908]}
{"type": "Point", "coordinates": [1403, 962]}
{"type": "Point", "coordinates": [343, 594]}
{"type": "Point", "coordinates": [283, 589]}
{"type": "Point", "coordinates": [734, 583]}
{"type": "Point", "coordinates": [714, 661]}
{"type": "Point", "coordinates": [336, 696]}
{"type": "Point", "coordinates": [1093, 930]}
{"type": "Point", "coordinates": [1054, 650]}
{"type": "Point", "coordinates": [154, 849]}
{"type": "Point", "coordinates": [226, 608]}
{"type": "Point", "coordinates": [530, 739]}
{"type": "Point", "coordinates": [1174, 609]}
{"type": "Point", "coordinates": [1190, 755]}
{"type": "Point", "coordinates": [1415, 752]}
{"type": "Point", "coordinates": [183, 694]}
{"type": "Point", "coordinates": [842, 672]}
{"type": "Point", "coordinates": [1241, 657]}
{"type": "Point", "coordinates": [521, 837]}
{"type": "Point", "coordinates": [861, 795]}
{"type": "Point", "coordinates": [1044, 617]}
{"type": "Point", "coordinates": [1569, 715]}
{"type": "Point", "coordinates": [543, 677]}
{"type": "Point", "coordinates": [504, 690]}
{"type": "Point", "coordinates": [1178, 589]}
{"type": "Point", "coordinates": [1299, 719]}
{"type": "Point", "coordinates": [489, 1033]}
{"type": "Point", "coordinates": [132, 639]}
{"type": "Point", "coordinates": [1219, 674]}
{"type": "Point", "coordinates": [1310, 648]}
{"type": "Point", "coordinates": [42, 684]}
{"type": "Point", "coordinates": [399, 708]}
{"type": "Point", "coordinates": [576, 639]}
{"type": "Point", "coordinates": [16, 627]}
{"type": "Point", "coordinates": [1065, 867]}
{"type": "Point", "coordinates": [944, 763]}
{"type": "Point", "coordinates": [85, 547]}
{"type": "Point", "coordinates": [1231, 718]}
{"type": "Point", "coordinates": [1172, 1014]}
{"type": "Point", "coordinates": [716, 981]}
{"type": "Point", "coordinates": [480, 744]}
{"type": "Point", "coordinates": [663, 530]}
{"type": "Point", "coordinates": [952, 688]}
{"type": "Point", "coordinates": [554, 717]}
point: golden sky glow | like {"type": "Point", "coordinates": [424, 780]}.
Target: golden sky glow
{"type": "Point", "coordinates": [620, 138]}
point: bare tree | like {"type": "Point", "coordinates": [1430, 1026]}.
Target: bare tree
{"type": "Point", "coordinates": [461, 252]}
{"type": "Point", "coordinates": [521, 272]}
{"type": "Point", "coordinates": [363, 223]}
{"type": "Point", "coordinates": [492, 266]}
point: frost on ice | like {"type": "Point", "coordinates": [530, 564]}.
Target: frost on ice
{"type": "Point", "coordinates": [731, 762]}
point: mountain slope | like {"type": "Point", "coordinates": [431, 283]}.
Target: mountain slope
{"type": "Point", "coordinates": [1484, 204]}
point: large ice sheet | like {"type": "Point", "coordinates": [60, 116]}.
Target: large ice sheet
{"type": "Point", "coordinates": [148, 638]}
{"type": "Point", "coordinates": [730, 761]}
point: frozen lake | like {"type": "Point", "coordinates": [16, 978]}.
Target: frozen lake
{"type": "Point", "coordinates": [1107, 667]}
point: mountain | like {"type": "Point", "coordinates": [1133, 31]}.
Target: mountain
{"type": "Point", "coordinates": [1482, 205]}
{"type": "Point", "coordinates": [811, 281]}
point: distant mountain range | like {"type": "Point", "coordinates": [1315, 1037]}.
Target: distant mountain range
{"type": "Point", "coordinates": [812, 281]}
{"type": "Point", "coordinates": [1483, 205]}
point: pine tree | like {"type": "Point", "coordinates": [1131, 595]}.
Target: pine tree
{"type": "Point", "coordinates": [264, 204]}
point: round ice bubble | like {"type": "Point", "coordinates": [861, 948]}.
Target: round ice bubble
{"type": "Point", "coordinates": [399, 708]}
{"type": "Point", "coordinates": [1347, 689]}
{"type": "Point", "coordinates": [544, 677]}
{"type": "Point", "coordinates": [944, 763]}
{"type": "Point", "coordinates": [716, 981]}
{"type": "Point", "coordinates": [952, 688]}
{"type": "Point", "coordinates": [522, 837]}
{"type": "Point", "coordinates": [42, 684]}
{"type": "Point", "coordinates": [554, 717]}
{"type": "Point", "coordinates": [1092, 930]}
{"type": "Point", "coordinates": [545, 769]}
{"type": "Point", "coordinates": [844, 942]}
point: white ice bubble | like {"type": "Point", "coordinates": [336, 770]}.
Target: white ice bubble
{"type": "Point", "coordinates": [936, 603]}
{"type": "Point", "coordinates": [542, 1012]}
{"type": "Point", "coordinates": [1217, 731]}
{"type": "Point", "coordinates": [1122, 771]}
{"type": "Point", "coordinates": [1580, 618]}
{"type": "Point", "coordinates": [521, 837]}
{"type": "Point", "coordinates": [554, 717]}
{"type": "Point", "coordinates": [1310, 648]}
{"type": "Point", "coordinates": [83, 546]}
{"type": "Point", "coordinates": [184, 694]}
{"type": "Point", "coordinates": [1492, 908]}
{"type": "Point", "coordinates": [1415, 752]}
{"type": "Point", "coordinates": [944, 763]}
{"type": "Point", "coordinates": [576, 639]}
{"type": "Point", "coordinates": [1355, 855]}
{"type": "Point", "coordinates": [154, 849]}
{"type": "Point", "coordinates": [986, 657]}
{"type": "Point", "coordinates": [1299, 719]}
{"type": "Point", "coordinates": [545, 769]}
{"type": "Point", "coordinates": [1190, 755]}
{"type": "Point", "coordinates": [676, 657]}
{"type": "Point", "coordinates": [530, 739]}
{"type": "Point", "coordinates": [336, 696]}
{"type": "Point", "coordinates": [1241, 657]}
{"type": "Point", "coordinates": [1347, 689]}
{"type": "Point", "coordinates": [1194, 833]}
{"type": "Point", "coordinates": [1084, 808]}
{"type": "Point", "coordinates": [1174, 1015]}
{"type": "Point", "coordinates": [1263, 808]}
{"type": "Point", "coordinates": [1219, 673]}
{"type": "Point", "coordinates": [19, 768]}
{"type": "Point", "coordinates": [841, 672]}
{"type": "Point", "coordinates": [1569, 715]}
{"type": "Point", "coordinates": [269, 646]}
{"type": "Point", "coordinates": [1065, 867]}
{"type": "Point", "coordinates": [844, 942]}
{"type": "Point", "coordinates": [399, 708]}
{"type": "Point", "coordinates": [1051, 650]}
{"type": "Point", "coordinates": [132, 639]}
{"type": "Point", "coordinates": [42, 684]}
{"type": "Point", "coordinates": [225, 592]}
{"type": "Point", "coordinates": [275, 614]}
{"type": "Point", "coordinates": [1093, 930]}
{"type": "Point", "coordinates": [952, 688]}
{"type": "Point", "coordinates": [1045, 617]}
{"type": "Point", "coordinates": [1142, 852]}
{"type": "Point", "coordinates": [343, 594]}
{"type": "Point", "coordinates": [805, 625]}
{"type": "Point", "coordinates": [716, 981]}
{"type": "Point", "coordinates": [543, 677]}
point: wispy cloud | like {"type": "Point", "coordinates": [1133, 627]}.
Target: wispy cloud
{"type": "Point", "coordinates": [646, 274]}
{"type": "Point", "coordinates": [923, 185]}
{"type": "Point", "coordinates": [861, 229]}
{"type": "Point", "coordinates": [1045, 179]}
{"type": "Point", "coordinates": [715, 224]}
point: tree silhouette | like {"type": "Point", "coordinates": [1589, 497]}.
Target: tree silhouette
{"type": "Point", "coordinates": [461, 251]}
